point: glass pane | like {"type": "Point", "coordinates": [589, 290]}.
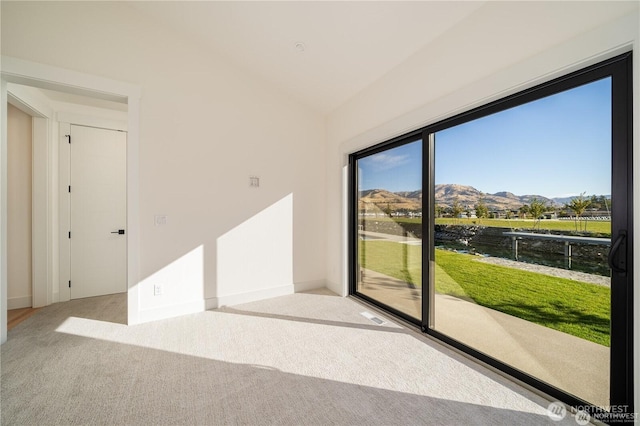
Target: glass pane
{"type": "Point", "coordinates": [390, 228]}
{"type": "Point", "coordinates": [522, 230]}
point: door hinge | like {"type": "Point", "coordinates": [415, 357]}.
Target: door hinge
{"type": "Point", "coordinates": [68, 136]}
{"type": "Point", "coordinates": [69, 283]}
{"type": "Point", "coordinates": [69, 188]}
{"type": "Point", "coordinates": [69, 234]}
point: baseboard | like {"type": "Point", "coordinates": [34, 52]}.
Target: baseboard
{"type": "Point", "coordinates": [251, 296]}
{"type": "Point", "coordinates": [226, 300]}
{"type": "Point", "coordinates": [165, 312]}
{"type": "Point", "coordinates": [211, 303]}
{"type": "Point", "coordinates": [18, 302]}
{"type": "Point", "coordinates": [336, 288]}
{"type": "Point", "coordinates": [309, 285]}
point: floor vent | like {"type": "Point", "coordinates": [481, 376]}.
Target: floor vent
{"type": "Point", "coordinates": [372, 318]}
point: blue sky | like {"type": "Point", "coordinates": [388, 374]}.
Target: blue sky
{"type": "Point", "coordinates": [398, 169]}
{"type": "Point", "coordinates": [556, 146]}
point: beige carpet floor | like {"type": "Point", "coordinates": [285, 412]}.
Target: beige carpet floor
{"type": "Point", "coordinates": [303, 359]}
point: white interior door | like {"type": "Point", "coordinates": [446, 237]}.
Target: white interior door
{"type": "Point", "coordinates": [98, 212]}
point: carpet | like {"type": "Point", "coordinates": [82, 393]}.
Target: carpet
{"type": "Point", "coordinates": [302, 359]}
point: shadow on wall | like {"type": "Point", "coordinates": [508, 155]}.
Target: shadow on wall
{"type": "Point", "coordinates": [251, 261]}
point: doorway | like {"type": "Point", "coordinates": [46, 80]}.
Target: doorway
{"type": "Point", "coordinates": [41, 76]}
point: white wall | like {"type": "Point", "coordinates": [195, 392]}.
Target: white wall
{"type": "Point", "coordinates": [19, 147]}
{"type": "Point", "coordinates": [205, 127]}
{"type": "Point", "coordinates": [501, 49]}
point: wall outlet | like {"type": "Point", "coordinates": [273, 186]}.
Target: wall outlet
{"type": "Point", "coordinates": [160, 220]}
{"type": "Point", "coordinates": [157, 289]}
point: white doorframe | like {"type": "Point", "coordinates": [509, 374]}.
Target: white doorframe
{"type": "Point", "coordinates": [50, 253]}
{"type": "Point", "coordinates": [43, 246]}
{"type": "Point", "coordinates": [3, 211]}
{"type": "Point", "coordinates": [44, 76]}
{"type": "Point", "coordinates": [42, 288]}
{"type": "Point", "coordinates": [64, 244]}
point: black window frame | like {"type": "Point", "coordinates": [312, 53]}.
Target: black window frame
{"type": "Point", "coordinates": [619, 69]}
{"type": "Point", "coordinates": [353, 215]}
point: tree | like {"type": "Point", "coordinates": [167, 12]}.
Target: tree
{"type": "Point", "coordinates": [607, 204]}
{"type": "Point", "coordinates": [456, 208]}
{"type": "Point", "coordinates": [579, 204]}
{"type": "Point", "coordinates": [387, 210]}
{"type": "Point", "coordinates": [523, 211]}
{"type": "Point", "coordinates": [536, 209]}
{"type": "Point", "coordinates": [482, 211]}
{"type": "Point", "coordinates": [601, 202]}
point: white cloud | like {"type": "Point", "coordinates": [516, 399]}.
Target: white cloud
{"type": "Point", "coordinates": [386, 161]}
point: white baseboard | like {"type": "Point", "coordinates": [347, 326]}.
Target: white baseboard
{"type": "Point", "coordinates": [226, 300]}
{"type": "Point", "coordinates": [251, 296]}
{"type": "Point", "coordinates": [165, 312]}
{"type": "Point", "coordinates": [309, 285]}
{"type": "Point", "coordinates": [18, 302]}
{"type": "Point", "coordinates": [337, 288]}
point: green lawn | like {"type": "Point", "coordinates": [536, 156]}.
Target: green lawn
{"type": "Point", "coordinates": [601, 228]}
{"type": "Point", "coordinates": [401, 261]}
{"type": "Point", "coordinates": [573, 307]}
{"type": "Point", "coordinates": [594, 227]}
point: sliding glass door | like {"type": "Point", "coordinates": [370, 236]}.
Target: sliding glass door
{"type": "Point", "coordinates": [389, 227]}
{"type": "Point", "coordinates": [527, 255]}
{"type": "Point", "coordinates": [521, 242]}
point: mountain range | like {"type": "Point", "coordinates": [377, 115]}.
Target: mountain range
{"type": "Point", "coordinates": [446, 194]}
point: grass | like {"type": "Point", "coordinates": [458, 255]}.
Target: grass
{"type": "Point", "coordinates": [573, 307]}
{"type": "Point", "coordinates": [602, 228]}
{"type": "Point", "coordinates": [401, 261]}
{"type": "Point", "coordinates": [593, 227]}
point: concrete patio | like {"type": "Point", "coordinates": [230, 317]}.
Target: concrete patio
{"type": "Point", "coordinates": [575, 365]}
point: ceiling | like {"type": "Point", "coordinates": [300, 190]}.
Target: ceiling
{"type": "Point", "coordinates": [347, 45]}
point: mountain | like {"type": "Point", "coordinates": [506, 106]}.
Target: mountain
{"type": "Point", "coordinates": [563, 200]}
{"type": "Point", "coordinates": [506, 194]}
{"type": "Point", "coordinates": [381, 199]}
{"type": "Point", "coordinates": [446, 195]}
{"type": "Point", "coordinates": [469, 196]}
{"type": "Point", "coordinates": [411, 194]}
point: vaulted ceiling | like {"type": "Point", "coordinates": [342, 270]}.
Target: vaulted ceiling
{"type": "Point", "coordinates": [350, 44]}
{"type": "Point", "coordinates": [347, 45]}
{"type": "Point", "coordinates": [324, 53]}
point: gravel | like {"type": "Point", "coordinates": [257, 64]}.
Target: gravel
{"type": "Point", "coordinates": [547, 270]}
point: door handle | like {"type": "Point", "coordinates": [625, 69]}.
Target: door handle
{"type": "Point", "coordinates": [622, 236]}
{"type": "Point", "coordinates": [119, 231]}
